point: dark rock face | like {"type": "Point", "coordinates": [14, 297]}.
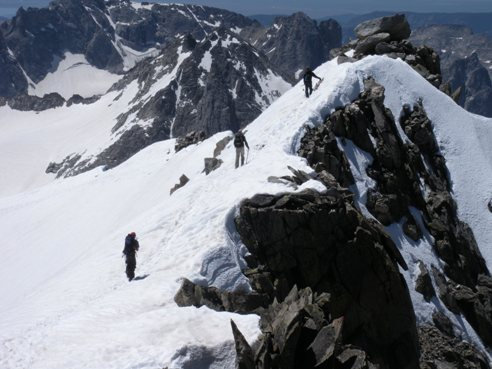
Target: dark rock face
{"type": "Point", "coordinates": [191, 294]}
{"type": "Point", "coordinates": [191, 138]}
{"type": "Point", "coordinates": [396, 26]}
{"type": "Point", "coordinates": [34, 103]}
{"type": "Point", "coordinates": [465, 59]}
{"type": "Point", "coordinates": [474, 80]}
{"type": "Point", "coordinates": [12, 80]}
{"type": "Point", "coordinates": [297, 41]}
{"type": "Point", "coordinates": [321, 242]}
{"type": "Point", "coordinates": [424, 283]}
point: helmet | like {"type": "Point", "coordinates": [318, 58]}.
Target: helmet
{"type": "Point", "coordinates": [133, 234]}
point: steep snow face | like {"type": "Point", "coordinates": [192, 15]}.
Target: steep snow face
{"type": "Point", "coordinates": [66, 280]}
{"type": "Point", "coordinates": [74, 75]}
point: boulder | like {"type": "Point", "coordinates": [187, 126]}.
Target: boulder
{"type": "Point", "coordinates": [191, 138]}
{"type": "Point", "coordinates": [368, 44]}
{"type": "Point", "coordinates": [423, 285]}
{"type": "Point", "coordinates": [191, 294]}
{"type": "Point", "coordinates": [397, 26]}
{"type": "Point", "coordinates": [211, 164]}
{"type": "Point", "coordinates": [182, 181]}
{"type": "Point", "coordinates": [244, 353]}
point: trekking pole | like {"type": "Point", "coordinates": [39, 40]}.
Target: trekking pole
{"type": "Point", "coordinates": [247, 157]}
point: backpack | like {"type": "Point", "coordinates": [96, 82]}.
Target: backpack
{"type": "Point", "coordinates": [238, 140]}
{"type": "Point", "coordinates": [128, 245]}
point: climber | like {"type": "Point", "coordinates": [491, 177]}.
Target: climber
{"type": "Point", "coordinates": [308, 81]}
{"type": "Point", "coordinates": [239, 142]}
{"type": "Point", "coordinates": [130, 251]}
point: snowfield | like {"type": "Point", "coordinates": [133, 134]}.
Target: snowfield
{"type": "Point", "coordinates": [66, 302]}
{"type": "Point", "coordinates": [70, 78]}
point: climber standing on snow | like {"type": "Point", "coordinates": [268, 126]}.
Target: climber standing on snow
{"type": "Point", "coordinates": [308, 81]}
{"type": "Point", "coordinates": [239, 142]}
{"type": "Point", "coordinates": [130, 252]}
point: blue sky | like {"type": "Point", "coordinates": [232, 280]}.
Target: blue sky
{"type": "Point", "coordinates": [314, 8]}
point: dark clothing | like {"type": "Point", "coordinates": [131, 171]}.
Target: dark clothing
{"type": "Point", "coordinates": [130, 250]}
{"type": "Point", "coordinates": [131, 265]}
{"type": "Point", "coordinates": [240, 140]}
{"type": "Point", "coordinates": [308, 81]}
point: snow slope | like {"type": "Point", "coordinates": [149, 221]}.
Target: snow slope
{"type": "Point", "coordinates": [67, 303]}
{"type": "Point", "coordinates": [74, 75]}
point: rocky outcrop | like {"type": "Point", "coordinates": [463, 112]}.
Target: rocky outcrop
{"type": "Point", "coordinates": [395, 26]}
{"type": "Point", "coordinates": [191, 138]}
{"type": "Point", "coordinates": [211, 164]}
{"type": "Point", "coordinates": [321, 243]}
{"type": "Point", "coordinates": [34, 103]}
{"type": "Point", "coordinates": [190, 294]}
{"type": "Point", "coordinates": [388, 36]}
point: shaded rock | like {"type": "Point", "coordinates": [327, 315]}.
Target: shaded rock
{"type": "Point", "coordinates": [244, 353]}
{"type": "Point", "coordinates": [295, 42]}
{"type": "Point", "coordinates": [354, 358]}
{"type": "Point", "coordinates": [476, 306]}
{"type": "Point", "coordinates": [423, 285]}
{"type": "Point", "coordinates": [211, 164]}
{"type": "Point", "coordinates": [220, 146]}
{"type": "Point", "coordinates": [368, 44]}
{"type": "Point", "coordinates": [441, 351]}
{"type": "Point", "coordinates": [322, 242]}
{"type": "Point", "coordinates": [489, 205]}
{"type": "Point", "coordinates": [341, 59]}
{"type": "Point", "coordinates": [191, 138]}
{"type": "Point", "coordinates": [182, 181]}
{"type": "Point", "coordinates": [325, 342]}
{"type": "Point", "coordinates": [443, 323]}
{"type": "Point", "coordinates": [397, 26]}
{"type": "Point", "coordinates": [190, 294]}
{"type": "Point", "coordinates": [77, 99]}
{"type": "Point", "coordinates": [411, 229]}
{"type": "Point", "coordinates": [35, 103]}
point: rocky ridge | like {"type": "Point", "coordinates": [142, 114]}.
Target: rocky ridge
{"type": "Point", "coordinates": [331, 271]}
{"type": "Point", "coordinates": [389, 36]}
